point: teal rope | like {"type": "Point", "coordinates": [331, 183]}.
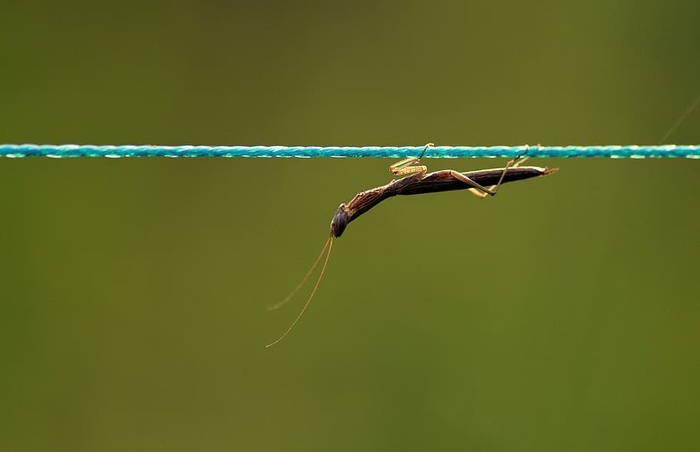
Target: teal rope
{"type": "Point", "coordinates": [72, 150]}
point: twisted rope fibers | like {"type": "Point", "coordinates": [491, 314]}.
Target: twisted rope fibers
{"type": "Point", "coordinates": [110, 151]}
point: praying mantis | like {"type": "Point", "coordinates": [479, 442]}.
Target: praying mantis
{"type": "Point", "coordinates": [415, 181]}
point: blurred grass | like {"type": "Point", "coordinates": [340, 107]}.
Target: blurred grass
{"type": "Point", "coordinates": [559, 316]}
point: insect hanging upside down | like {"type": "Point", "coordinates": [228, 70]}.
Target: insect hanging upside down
{"type": "Point", "coordinates": [416, 181]}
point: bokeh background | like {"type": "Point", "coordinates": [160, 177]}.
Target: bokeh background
{"type": "Point", "coordinates": [561, 315]}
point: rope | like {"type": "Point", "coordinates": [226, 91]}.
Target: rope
{"type": "Point", "coordinates": [72, 150]}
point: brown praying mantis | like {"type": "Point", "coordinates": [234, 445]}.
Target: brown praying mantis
{"type": "Point", "coordinates": [416, 181]}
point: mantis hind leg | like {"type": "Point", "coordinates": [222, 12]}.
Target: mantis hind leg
{"type": "Point", "coordinates": [482, 192]}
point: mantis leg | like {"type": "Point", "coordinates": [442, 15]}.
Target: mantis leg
{"type": "Point", "coordinates": [409, 165]}
{"type": "Point", "coordinates": [481, 192]}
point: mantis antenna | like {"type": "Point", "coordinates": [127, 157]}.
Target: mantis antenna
{"type": "Point", "coordinates": [329, 246]}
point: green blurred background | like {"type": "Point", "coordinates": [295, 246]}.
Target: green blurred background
{"type": "Point", "coordinates": [561, 315]}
